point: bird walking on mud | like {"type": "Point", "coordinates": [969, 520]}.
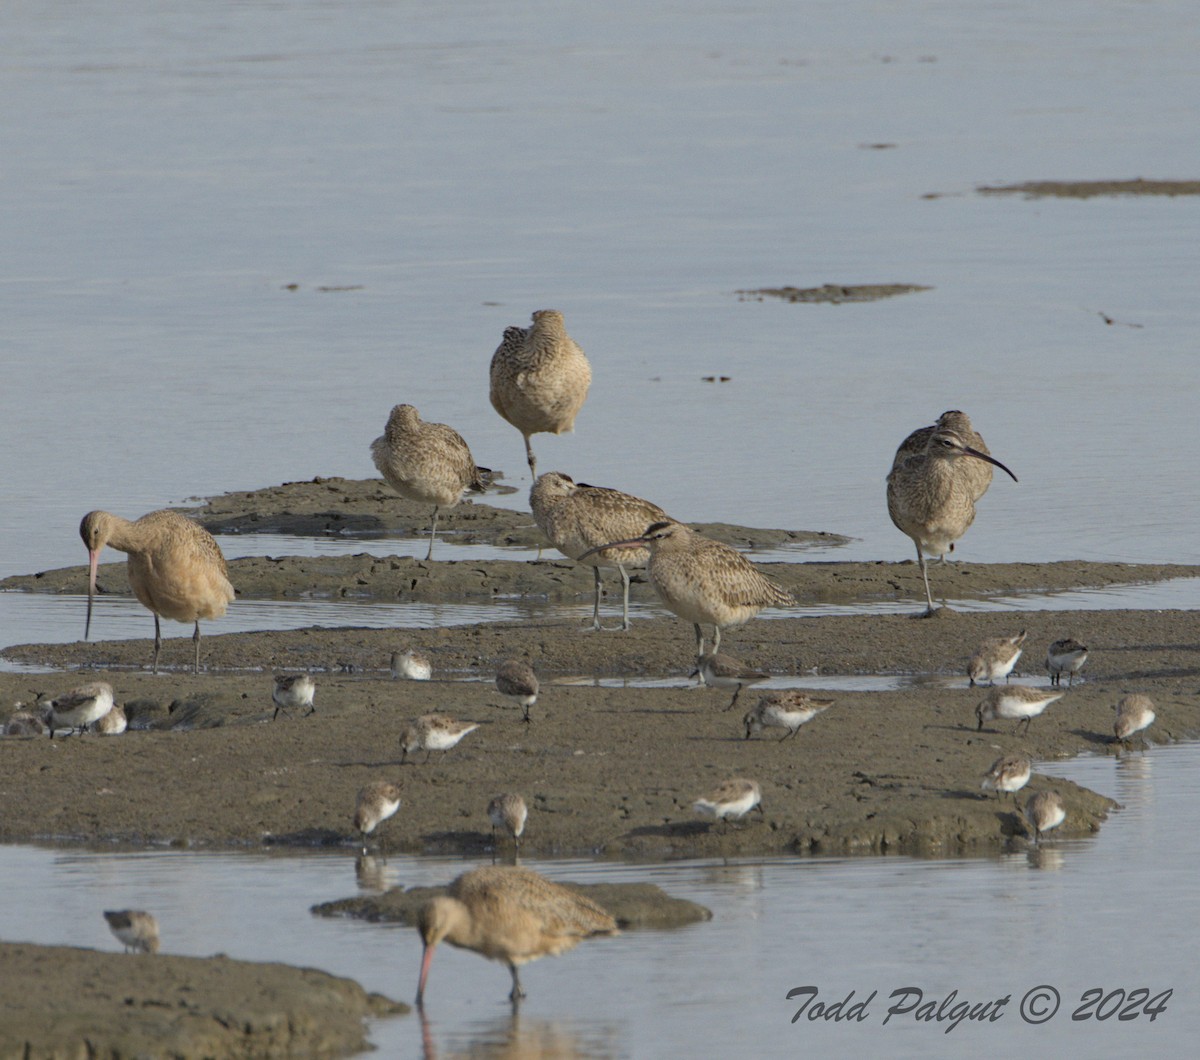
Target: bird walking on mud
{"type": "Point", "coordinates": [1018, 702]}
{"type": "Point", "coordinates": [376, 802]}
{"type": "Point", "coordinates": [516, 679]}
{"type": "Point", "coordinates": [509, 914]}
{"type": "Point", "coordinates": [293, 691]}
{"type": "Point", "coordinates": [433, 732]}
{"type": "Point", "coordinates": [786, 709]}
{"type": "Point", "coordinates": [425, 462]}
{"type": "Point", "coordinates": [539, 379]}
{"type": "Point", "coordinates": [508, 811]}
{"type": "Point", "coordinates": [79, 708]}
{"type": "Point", "coordinates": [1009, 773]}
{"type": "Point", "coordinates": [994, 659]}
{"type": "Point", "coordinates": [718, 670]}
{"type": "Point", "coordinates": [577, 518]}
{"type": "Point", "coordinates": [931, 492]}
{"type": "Point", "coordinates": [175, 568]}
{"type": "Point", "coordinates": [704, 581]}
{"type": "Point", "coordinates": [135, 930]}
{"type": "Point", "coordinates": [732, 799]}
{"type": "Point", "coordinates": [1065, 656]}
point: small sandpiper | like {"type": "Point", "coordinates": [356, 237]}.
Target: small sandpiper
{"type": "Point", "coordinates": [411, 665]}
{"type": "Point", "coordinates": [994, 659]}
{"type": "Point", "coordinates": [1065, 656]}
{"type": "Point", "coordinates": [1018, 702]}
{"type": "Point", "coordinates": [293, 690]}
{"type": "Point", "coordinates": [719, 670]}
{"type": "Point", "coordinates": [509, 812]}
{"type": "Point", "coordinates": [1134, 714]}
{"type": "Point", "coordinates": [433, 732]}
{"type": "Point", "coordinates": [377, 802]}
{"type": "Point", "coordinates": [113, 723]}
{"type": "Point", "coordinates": [787, 709]}
{"type": "Point", "coordinates": [77, 709]}
{"type": "Point", "coordinates": [1044, 811]}
{"type": "Point", "coordinates": [732, 799]}
{"type": "Point", "coordinates": [517, 680]}
{"type": "Point", "coordinates": [135, 929]}
{"type": "Point", "coordinates": [1008, 774]}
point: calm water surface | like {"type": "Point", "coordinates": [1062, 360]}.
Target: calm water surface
{"type": "Point", "coordinates": [237, 233]}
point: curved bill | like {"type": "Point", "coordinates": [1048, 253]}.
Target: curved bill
{"type": "Point", "coordinates": [639, 541]}
{"type": "Point", "coordinates": [990, 459]}
{"type": "Point", "coordinates": [93, 560]}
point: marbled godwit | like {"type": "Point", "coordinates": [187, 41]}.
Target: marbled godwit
{"type": "Point", "coordinates": [516, 679]}
{"type": "Point", "coordinates": [978, 474]}
{"type": "Point", "coordinates": [787, 709]}
{"type": "Point", "coordinates": [1065, 656]}
{"type": "Point", "coordinates": [994, 659]}
{"type": "Point", "coordinates": [80, 707]}
{"type": "Point", "coordinates": [577, 517]}
{"type": "Point", "coordinates": [411, 666]}
{"type": "Point", "coordinates": [425, 462]}
{"type": "Point", "coordinates": [433, 732]}
{"type": "Point", "coordinates": [175, 568]}
{"type": "Point", "coordinates": [22, 723]}
{"type": "Point", "coordinates": [509, 812]}
{"type": "Point", "coordinates": [376, 802]}
{"type": "Point", "coordinates": [135, 929]}
{"type": "Point", "coordinates": [509, 914]}
{"type": "Point", "coordinates": [932, 499]}
{"type": "Point", "coordinates": [704, 581]}
{"type": "Point", "coordinates": [113, 723]}
{"type": "Point", "coordinates": [1009, 773]}
{"type": "Point", "coordinates": [1018, 702]}
{"type": "Point", "coordinates": [293, 690]}
{"type": "Point", "coordinates": [718, 670]}
{"type": "Point", "coordinates": [1134, 714]}
{"type": "Point", "coordinates": [539, 379]}
{"type": "Point", "coordinates": [1044, 811]}
{"type": "Point", "coordinates": [732, 799]}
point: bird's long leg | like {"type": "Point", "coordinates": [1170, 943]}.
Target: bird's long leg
{"type": "Point", "coordinates": [699, 640]}
{"type": "Point", "coordinates": [736, 692]}
{"type": "Point", "coordinates": [532, 460]}
{"type": "Point", "coordinates": [196, 638]}
{"type": "Point", "coordinates": [624, 597]}
{"type": "Point", "coordinates": [517, 992]}
{"type": "Point", "coordinates": [596, 606]}
{"type": "Point", "coordinates": [925, 575]}
{"type": "Point", "coordinates": [716, 639]}
{"type": "Point", "coordinates": [432, 534]}
{"type": "Point", "coordinates": [157, 643]}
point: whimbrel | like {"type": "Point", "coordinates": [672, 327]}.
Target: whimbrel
{"type": "Point", "coordinates": [425, 462]}
{"type": "Point", "coordinates": [994, 659]}
{"type": "Point", "coordinates": [79, 708]}
{"type": "Point", "coordinates": [175, 568]}
{"type": "Point", "coordinates": [1065, 656]}
{"type": "Point", "coordinates": [719, 670]}
{"type": "Point", "coordinates": [1044, 811]}
{"type": "Point", "coordinates": [508, 811]}
{"type": "Point", "coordinates": [539, 379]}
{"type": "Point", "coordinates": [732, 799]}
{"type": "Point", "coordinates": [1017, 701]}
{"type": "Point", "coordinates": [376, 802]}
{"type": "Point", "coordinates": [136, 930]}
{"type": "Point", "coordinates": [508, 914]}
{"type": "Point", "coordinates": [516, 679]}
{"type": "Point", "coordinates": [979, 474]}
{"type": "Point", "coordinates": [786, 709]}
{"type": "Point", "coordinates": [293, 691]}
{"type": "Point", "coordinates": [931, 497]}
{"type": "Point", "coordinates": [1009, 773]}
{"type": "Point", "coordinates": [704, 581]}
{"type": "Point", "coordinates": [1134, 713]}
{"type": "Point", "coordinates": [577, 517]}
{"type": "Point", "coordinates": [433, 732]}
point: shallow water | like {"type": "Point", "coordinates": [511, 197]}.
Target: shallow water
{"type": "Point", "coordinates": [1074, 915]}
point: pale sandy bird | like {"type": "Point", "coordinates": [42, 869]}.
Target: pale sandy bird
{"type": "Point", "coordinates": [293, 691]}
{"type": "Point", "coordinates": [136, 930]}
{"type": "Point", "coordinates": [77, 709]}
{"type": "Point", "coordinates": [704, 581]}
{"type": "Point", "coordinates": [376, 802]}
{"type": "Point", "coordinates": [786, 709]}
{"type": "Point", "coordinates": [1009, 773]}
{"type": "Point", "coordinates": [516, 679]}
{"type": "Point", "coordinates": [411, 665]}
{"type": "Point", "coordinates": [732, 799]}
{"type": "Point", "coordinates": [577, 517]}
{"type": "Point", "coordinates": [931, 497]}
{"type": "Point", "coordinates": [113, 723]}
{"type": "Point", "coordinates": [1044, 811]}
{"type": "Point", "coordinates": [425, 462]}
{"type": "Point", "coordinates": [1065, 656]}
{"type": "Point", "coordinates": [1016, 701]}
{"type": "Point", "coordinates": [977, 473]}
{"type": "Point", "coordinates": [539, 379]}
{"type": "Point", "coordinates": [1134, 714]}
{"type": "Point", "coordinates": [509, 812]}
{"type": "Point", "coordinates": [175, 568]}
{"type": "Point", "coordinates": [433, 732]}
{"type": "Point", "coordinates": [995, 658]}
{"type": "Point", "coordinates": [23, 723]}
{"type": "Point", "coordinates": [510, 914]}
{"type": "Point", "coordinates": [718, 670]}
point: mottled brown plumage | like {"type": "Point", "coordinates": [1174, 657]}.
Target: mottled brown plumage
{"type": "Point", "coordinates": [510, 914]}
{"type": "Point", "coordinates": [1044, 810]}
{"type": "Point", "coordinates": [787, 709]}
{"type": "Point", "coordinates": [977, 472]}
{"type": "Point", "coordinates": [136, 930]}
{"type": "Point", "coordinates": [539, 379]}
{"type": "Point", "coordinates": [995, 658]}
{"type": "Point", "coordinates": [80, 707]}
{"type": "Point", "coordinates": [425, 462]}
{"type": "Point", "coordinates": [508, 811]}
{"type": "Point", "coordinates": [515, 678]}
{"type": "Point", "coordinates": [1135, 713]}
{"type": "Point", "coordinates": [718, 670]}
{"type": "Point", "coordinates": [376, 802]}
{"type": "Point", "coordinates": [175, 568]}
{"type": "Point", "coordinates": [704, 581]}
{"type": "Point", "coordinates": [1009, 773]}
{"type": "Point", "coordinates": [577, 517]}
